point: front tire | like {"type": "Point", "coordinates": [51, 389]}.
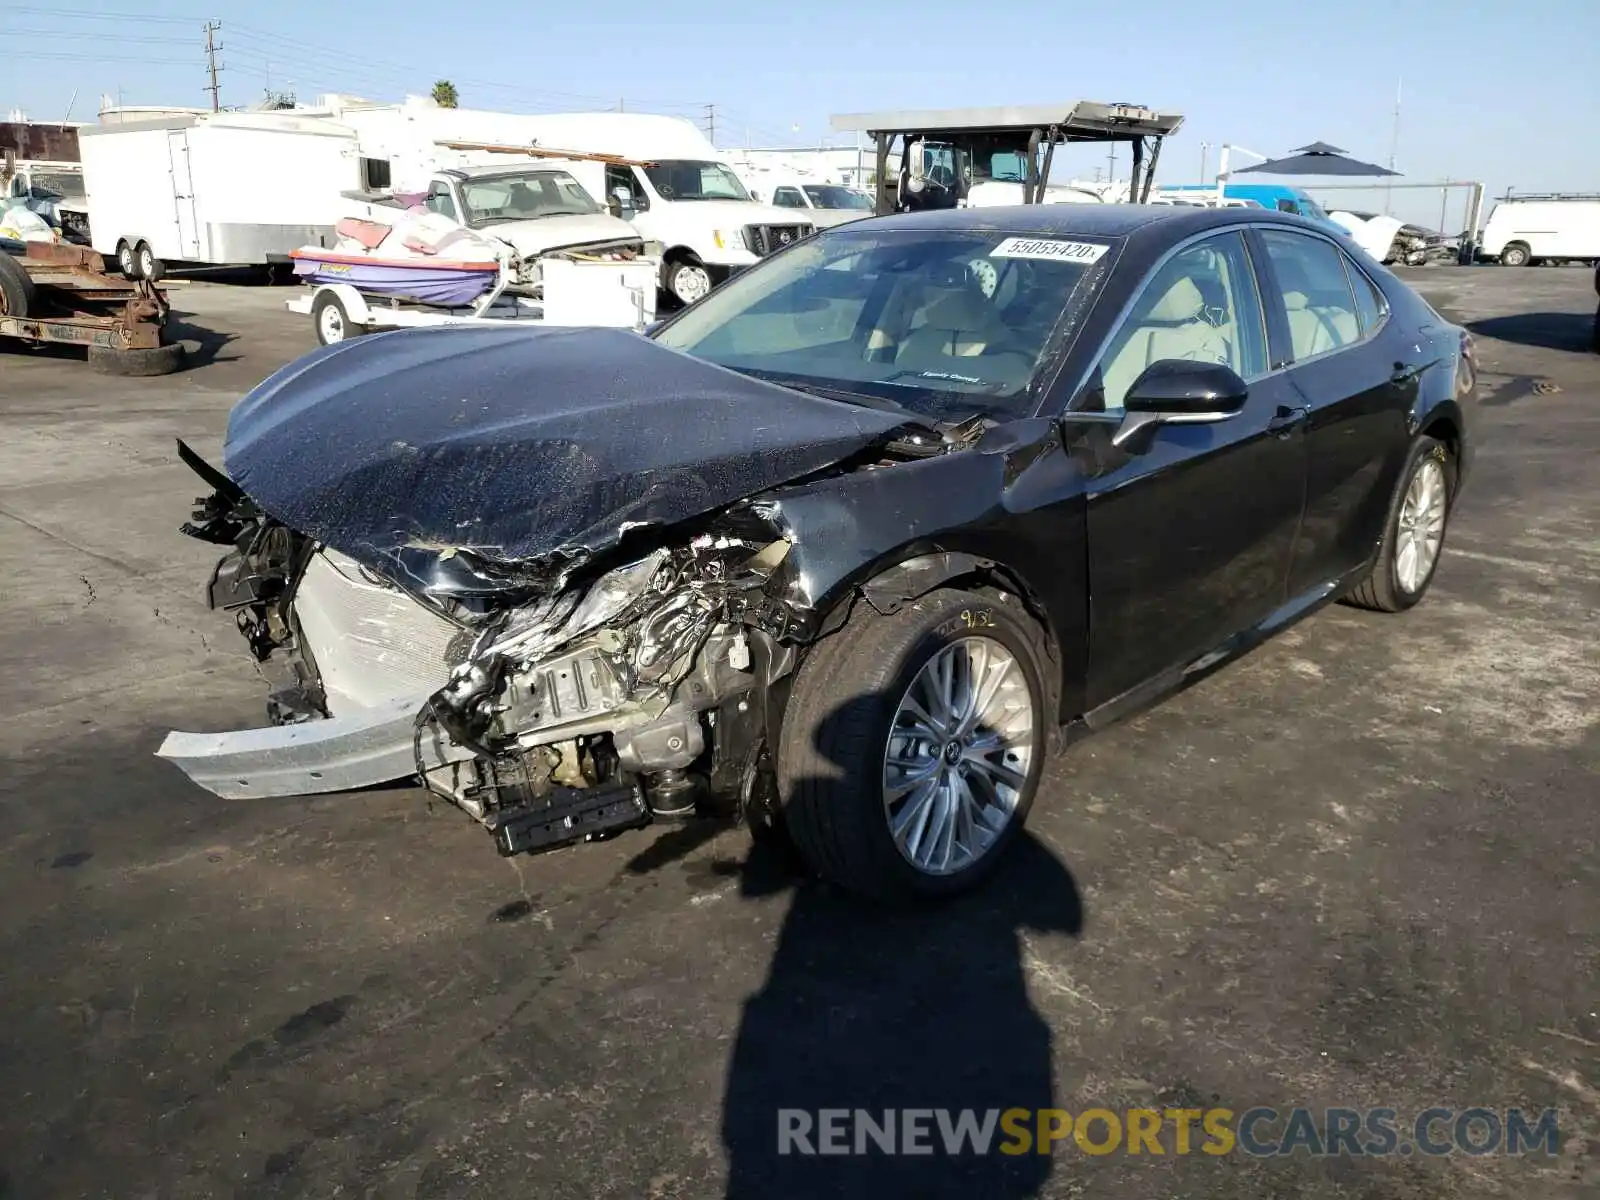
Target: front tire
{"type": "Point", "coordinates": [914, 743]}
{"type": "Point", "coordinates": [688, 281]}
{"type": "Point", "coordinates": [1413, 539]}
{"type": "Point", "coordinates": [127, 261]}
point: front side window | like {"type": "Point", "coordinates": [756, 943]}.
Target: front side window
{"type": "Point", "coordinates": [525, 196]}
{"type": "Point", "coordinates": [944, 323]}
{"type": "Point", "coordinates": [1203, 306]}
{"type": "Point", "coordinates": [440, 201]}
{"type": "Point", "coordinates": [1314, 292]}
{"type": "Point", "coordinates": [683, 179]}
{"type": "Point", "coordinates": [788, 197]}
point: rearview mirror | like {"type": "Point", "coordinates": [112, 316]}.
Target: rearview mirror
{"type": "Point", "coordinates": [1178, 391]}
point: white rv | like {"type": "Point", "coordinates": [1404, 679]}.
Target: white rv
{"type": "Point", "coordinates": [214, 188]}
{"type": "Point", "coordinates": [1523, 230]}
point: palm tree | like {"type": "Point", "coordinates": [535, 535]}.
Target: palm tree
{"type": "Point", "coordinates": [444, 94]}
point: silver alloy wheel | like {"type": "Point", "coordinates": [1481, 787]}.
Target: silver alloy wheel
{"type": "Point", "coordinates": [330, 324]}
{"type": "Point", "coordinates": [126, 263]}
{"type": "Point", "coordinates": [1421, 527]}
{"type": "Point", "coordinates": [960, 748]}
{"type": "Point", "coordinates": [690, 282]}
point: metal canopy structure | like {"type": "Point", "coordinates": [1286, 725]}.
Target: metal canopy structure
{"type": "Point", "coordinates": [1025, 130]}
{"type": "Point", "coordinates": [1318, 158]}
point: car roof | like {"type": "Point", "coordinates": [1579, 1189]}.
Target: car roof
{"type": "Point", "coordinates": [1076, 220]}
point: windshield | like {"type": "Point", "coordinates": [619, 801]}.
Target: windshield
{"type": "Point", "coordinates": [524, 197]}
{"type": "Point", "coordinates": [945, 323]}
{"type": "Point", "coordinates": [1313, 210]}
{"type": "Point", "coordinates": [684, 179]}
{"type": "Point", "coordinates": [828, 195]}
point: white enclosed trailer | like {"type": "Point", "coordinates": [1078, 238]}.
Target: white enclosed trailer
{"type": "Point", "coordinates": [214, 188]}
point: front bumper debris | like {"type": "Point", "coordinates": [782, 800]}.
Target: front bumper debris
{"type": "Point", "coordinates": [333, 754]}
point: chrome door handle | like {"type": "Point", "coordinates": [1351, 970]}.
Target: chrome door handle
{"type": "Point", "coordinates": [1287, 418]}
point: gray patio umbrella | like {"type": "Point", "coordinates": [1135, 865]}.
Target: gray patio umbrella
{"type": "Point", "coordinates": [1318, 158]}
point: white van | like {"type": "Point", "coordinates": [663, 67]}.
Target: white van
{"type": "Point", "coordinates": [822, 202]}
{"type": "Point", "coordinates": [686, 196]}
{"type": "Point", "coordinates": [1531, 229]}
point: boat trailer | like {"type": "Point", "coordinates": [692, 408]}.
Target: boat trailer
{"type": "Point", "coordinates": [63, 294]}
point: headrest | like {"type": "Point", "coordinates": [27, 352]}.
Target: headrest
{"type": "Point", "coordinates": [961, 309]}
{"type": "Point", "coordinates": [1294, 301]}
{"type": "Point", "coordinates": [1182, 302]}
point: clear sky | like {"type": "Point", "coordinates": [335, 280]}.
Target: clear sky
{"type": "Point", "coordinates": [1500, 92]}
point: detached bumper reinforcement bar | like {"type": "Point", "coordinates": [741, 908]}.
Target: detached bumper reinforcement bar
{"type": "Point", "coordinates": [369, 746]}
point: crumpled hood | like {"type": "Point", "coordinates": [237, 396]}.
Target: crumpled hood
{"type": "Point", "coordinates": [535, 447]}
{"type": "Point", "coordinates": [549, 233]}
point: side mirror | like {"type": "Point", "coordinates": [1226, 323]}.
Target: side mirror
{"type": "Point", "coordinates": [622, 196]}
{"type": "Point", "coordinates": [916, 166]}
{"type": "Point", "coordinates": [1177, 391]}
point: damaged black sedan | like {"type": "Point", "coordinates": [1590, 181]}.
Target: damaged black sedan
{"type": "Point", "coordinates": [845, 548]}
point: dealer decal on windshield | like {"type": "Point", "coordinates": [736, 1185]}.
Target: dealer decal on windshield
{"type": "Point", "coordinates": [1050, 248]}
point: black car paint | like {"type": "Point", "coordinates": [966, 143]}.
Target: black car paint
{"type": "Point", "coordinates": [1149, 568]}
{"type": "Point", "coordinates": [1149, 564]}
{"type": "Point", "coordinates": [468, 460]}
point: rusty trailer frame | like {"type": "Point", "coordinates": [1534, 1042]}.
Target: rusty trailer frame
{"type": "Point", "coordinates": [76, 302]}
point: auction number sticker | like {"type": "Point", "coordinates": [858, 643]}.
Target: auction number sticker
{"type": "Point", "coordinates": [1048, 248]}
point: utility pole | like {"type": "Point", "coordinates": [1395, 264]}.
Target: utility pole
{"type": "Point", "coordinates": [711, 123]}
{"type": "Point", "coordinates": [211, 28]}
{"type": "Point", "coordinates": [1111, 166]}
{"type": "Point", "coordinates": [1394, 146]}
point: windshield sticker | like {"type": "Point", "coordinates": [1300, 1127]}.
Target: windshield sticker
{"type": "Point", "coordinates": [1050, 248]}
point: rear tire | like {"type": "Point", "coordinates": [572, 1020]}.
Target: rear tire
{"type": "Point", "coordinates": [1418, 517]}
{"type": "Point", "coordinates": [849, 710]}
{"type": "Point", "coordinates": [157, 360]}
{"type": "Point", "coordinates": [127, 261]}
{"type": "Point", "coordinates": [17, 293]}
{"type": "Point", "coordinates": [1516, 254]}
{"type": "Point", "coordinates": [150, 267]}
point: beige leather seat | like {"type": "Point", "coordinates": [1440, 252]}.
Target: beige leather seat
{"type": "Point", "coordinates": [1316, 329]}
{"type": "Point", "coordinates": [961, 328]}
{"type": "Point", "coordinates": [1173, 328]}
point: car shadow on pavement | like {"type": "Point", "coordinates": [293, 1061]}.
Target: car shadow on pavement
{"type": "Point", "coordinates": [1541, 330]}
{"type": "Point", "coordinates": [873, 1009]}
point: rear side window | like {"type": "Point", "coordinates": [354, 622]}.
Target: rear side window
{"type": "Point", "coordinates": [1314, 292]}
{"type": "Point", "coordinates": [1371, 307]}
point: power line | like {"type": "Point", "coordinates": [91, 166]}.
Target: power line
{"type": "Point", "coordinates": [99, 15]}
{"type": "Point", "coordinates": [99, 37]}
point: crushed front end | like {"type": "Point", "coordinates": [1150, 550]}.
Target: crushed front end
{"type": "Point", "coordinates": [595, 705]}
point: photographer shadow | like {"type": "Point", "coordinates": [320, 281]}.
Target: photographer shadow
{"type": "Point", "coordinates": [885, 1011]}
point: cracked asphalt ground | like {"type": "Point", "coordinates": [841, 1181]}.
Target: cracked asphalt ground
{"type": "Point", "coordinates": [1358, 868]}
